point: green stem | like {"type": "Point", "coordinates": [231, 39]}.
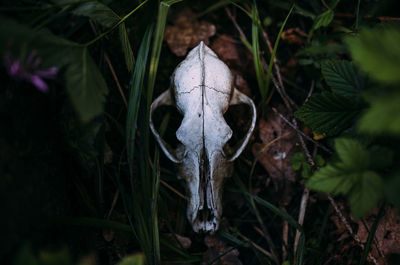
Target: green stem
{"type": "Point", "coordinates": [116, 25]}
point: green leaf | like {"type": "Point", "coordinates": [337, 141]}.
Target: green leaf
{"type": "Point", "coordinates": [365, 194]}
{"type": "Point", "coordinates": [377, 52]}
{"type": "Point", "coordinates": [329, 113]}
{"type": "Point", "coordinates": [85, 85]}
{"type": "Point", "coordinates": [99, 12]}
{"type": "Point", "coordinates": [299, 161]}
{"type": "Point", "coordinates": [333, 179]}
{"type": "Point", "coordinates": [84, 82]}
{"type": "Point", "coordinates": [383, 116]}
{"type": "Point", "coordinates": [323, 19]}
{"type": "Point", "coordinates": [136, 259]}
{"type": "Point", "coordinates": [126, 47]}
{"type": "Point", "coordinates": [381, 157]}
{"type": "Point", "coordinates": [350, 175]}
{"type": "Point", "coordinates": [341, 76]}
{"type": "Point", "coordinates": [352, 153]}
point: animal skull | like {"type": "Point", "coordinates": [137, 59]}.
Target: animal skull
{"type": "Point", "coordinates": [202, 90]}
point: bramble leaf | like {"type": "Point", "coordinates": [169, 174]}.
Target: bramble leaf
{"type": "Point", "coordinates": [365, 193]}
{"type": "Point", "coordinates": [383, 116]}
{"type": "Point", "coordinates": [377, 52]}
{"type": "Point", "coordinates": [329, 113]}
{"type": "Point", "coordinates": [342, 77]}
{"type": "Point", "coordinates": [350, 176]}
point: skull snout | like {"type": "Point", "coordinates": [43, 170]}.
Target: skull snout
{"type": "Point", "coordinates": [204, 207]}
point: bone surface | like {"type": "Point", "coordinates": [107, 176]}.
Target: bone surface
{"type": "Point", "coordinates": [202, 90]}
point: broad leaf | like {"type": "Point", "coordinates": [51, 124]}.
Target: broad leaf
{"type": "Point", "coordinates": [365, 194]}
{"type": "Point", "coordinates": [85, 85]}
{"type": "Point", "coordinates": [377, 52]}
{"type": "Point", "coordinates": [350, 176]}
{"type": "Point", "coordinates": [84, 82]}
{"type": "Point", "coordinates": [352, 153]}
{"type": "Point", "coordinates": [126, 47]}
{"type": "Point", "coordinates": [329, 113]}
{"type": "Point", "coordinates": [383, 116]}
{"type": "Point", "coordinates": [99, 12]}
{"type": "Point", "coordinates": [342, 77]}
{"type": "Point", "coordinates": [333, 179]}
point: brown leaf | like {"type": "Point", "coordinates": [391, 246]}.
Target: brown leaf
{"type": "Point", "coordinates": [387, 234]}
{"type": "Point", "coordinates": [187, 32]}
{"type": "Point", "coordinates": [218, 253]}
{"type": "Point", "coordinates": [185, 242]}
{"type": "Point", "coordinates": [225, 48]}
{"type": "Point", "coordinates": [278, 144]}
{"type": "Point", "coordinates": [293, 35]}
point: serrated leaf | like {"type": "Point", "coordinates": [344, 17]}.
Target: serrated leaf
{"type": "Point", "coordinates": [329, 113]}
{"type": "Point", "coordinates": [377, 52]}
{"type": "Point", "coordinates": [341, 76]}
{"type": "Point", "coordinates": [333, 179]}
{"type": "Point", "coordinates": [99, 12]}
{"type": "Point", "coordinates": [126, 47]}
{"type": "Point", "coordinates": [383, 116]}
{"type": "Point", "coordinates": [350, 176]}
{"type": "Point", "coordinates": [365, 194]}
{"type": "Point", "coordinates": [323, 19]}
{"type": "Point", "coordinates": [352, 153]}
{"type": "Point", "coordinates": [85, 85]}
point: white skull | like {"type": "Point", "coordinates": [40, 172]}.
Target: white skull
{"type": "Point", "coordinates": [202, 90]}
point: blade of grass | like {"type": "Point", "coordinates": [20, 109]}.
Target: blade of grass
{"type": "Point", "coordinates": [255, 49]}
{"type": "Point", "coordinates": [300, 249]}
{"type": "Point", "coordinates": [371, 235]}
{"type": "Point", "coordinates": [271, 60]}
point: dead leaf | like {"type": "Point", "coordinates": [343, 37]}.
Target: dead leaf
{"type": "Point", "coordinates": [387, 235]}
{"type": "Point", "coordinates": [218, 253]}
{"type": "Point", "coordinates": [293, 36]}
{"type": "Point", "coordinates": [187, 32]}
{"type": "Point", "coordinates": [224, 46]}
{"type": "Point", "coordinates": [278, 144]}
{"type": "Point", "coordinates": [185, 242]}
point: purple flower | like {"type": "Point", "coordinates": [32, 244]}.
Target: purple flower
{"type": "Point", "coordinates": [28, 70]}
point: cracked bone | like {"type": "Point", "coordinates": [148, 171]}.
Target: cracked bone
{"type": "Point", "coordinates": [202, 90]}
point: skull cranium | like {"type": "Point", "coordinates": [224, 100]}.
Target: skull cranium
{"type": "Point", "coordinates": [202, 90]}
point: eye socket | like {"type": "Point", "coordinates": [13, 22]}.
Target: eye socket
{"type": "Point", "coordinates": [174, 121]}
{"type": "Point", "coordinates": [238, 117]}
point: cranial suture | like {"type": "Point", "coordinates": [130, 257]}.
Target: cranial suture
{"type": "Point", "coordinates": [202, 90]}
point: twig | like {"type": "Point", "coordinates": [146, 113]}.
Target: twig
{"type": "Point", "coordinates": [265, 252]}
{"type": "Point", "coordinates": [303, 207]}
{"type": "Point", "coordinates": [233, 19]}
{"type": "Point", "coordinates": [349, 229]}
{"type": "Point", "coordinates": [173, 189]}
{"type": "Point", "coordinates": [310, 91]}
{"type": "Point", "coordinates": [382, 18]}
{"type": "Point", "coordinates": [121, 92]}
{"type": "Point", "coordinates": [298, 131]}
